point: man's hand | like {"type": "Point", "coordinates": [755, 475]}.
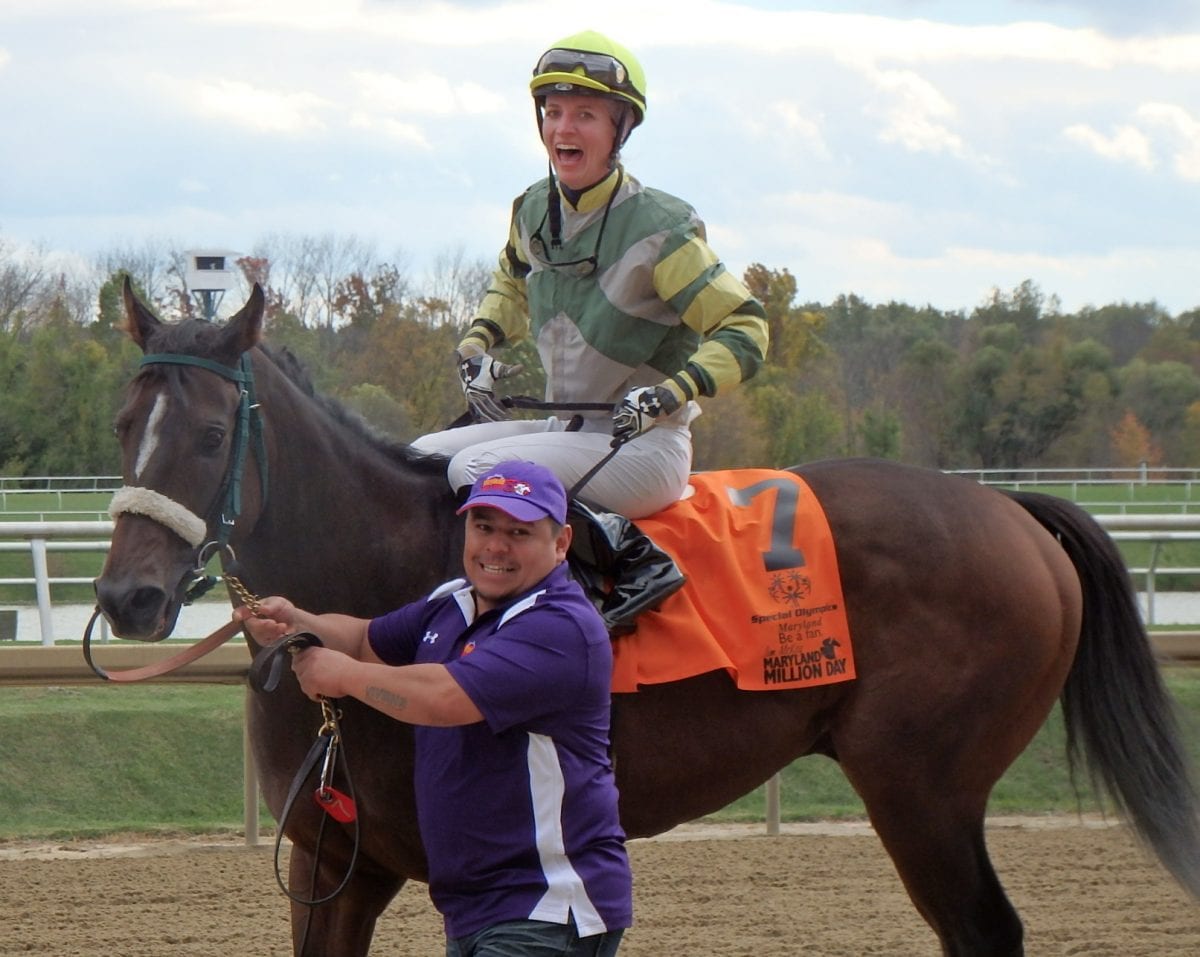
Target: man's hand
{"type": "Point", "coordinates": [637, 412]}
{"type": "Point", "coordinates": [323, 673]}
{"type": "Point", "coordinates": [478, 375]}
{"type": "Point", "coordinates": [270, 622]}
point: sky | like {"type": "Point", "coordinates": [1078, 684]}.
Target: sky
{"type": "Point", "coordinates": [924, 151]}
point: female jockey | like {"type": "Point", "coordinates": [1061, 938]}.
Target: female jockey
{"type": "Point", "coordinates": [628, 305]}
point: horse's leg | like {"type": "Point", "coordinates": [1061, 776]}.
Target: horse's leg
{"type": "Point", "coordinates": [937, 844]}
{"type": "Point", "coordinates": [344, 926]}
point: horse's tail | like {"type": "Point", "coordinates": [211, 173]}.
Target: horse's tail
{"type": "Point", "coordinates": [1120, 719]}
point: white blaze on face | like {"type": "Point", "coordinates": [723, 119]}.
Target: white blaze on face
{"type": "Point", "coordinates": [150, 436]}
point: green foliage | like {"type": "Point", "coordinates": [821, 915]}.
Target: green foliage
{"type": "Point", "coordinates": [1013, 383]}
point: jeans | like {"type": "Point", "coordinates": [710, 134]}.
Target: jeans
{"type": "Point", "coordinates": [533, 938]}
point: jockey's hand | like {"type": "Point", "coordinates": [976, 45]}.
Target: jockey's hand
{"type": "Point", "coordinates": [637, 412]}
{"type": "Point", "coordinates": [479, 374]}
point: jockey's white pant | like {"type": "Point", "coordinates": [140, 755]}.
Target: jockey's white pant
{"type": "Point", "coordinates": [647, 474]}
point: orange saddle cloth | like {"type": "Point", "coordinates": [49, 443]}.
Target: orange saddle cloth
{"type": "Point", "coordinates": [763, 598]}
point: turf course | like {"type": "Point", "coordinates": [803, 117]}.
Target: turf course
{"type": "Point", "coordinates": [85, 761]}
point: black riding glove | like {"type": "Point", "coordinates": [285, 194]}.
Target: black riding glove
{"type": "Point", "coordinates": [478, 374]}
{"type": "Point", "coordinates": [637, 412]}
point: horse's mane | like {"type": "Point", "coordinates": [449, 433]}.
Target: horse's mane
{"type": "Point", "coordinates": [196, 337]}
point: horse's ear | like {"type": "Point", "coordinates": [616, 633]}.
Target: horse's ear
{"type": "Point", "coordinates": [244, 329]}
{"type": "Point", "coordinates": [140, 322]}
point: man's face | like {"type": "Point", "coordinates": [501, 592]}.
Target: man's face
{"type": "Point", "coordinates": [504, 557]}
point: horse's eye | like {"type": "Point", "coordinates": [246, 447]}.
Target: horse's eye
{"type": "Point", "coordinates": [212, 439]}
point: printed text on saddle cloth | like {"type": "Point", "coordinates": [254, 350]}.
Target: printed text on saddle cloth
{"type": "Point", "coordinates": [763, 598]}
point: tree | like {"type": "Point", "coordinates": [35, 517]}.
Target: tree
{"type": "Point", "coordinates": [728, 434]}
{"type": "Point", "coordinates": [1132, 445]}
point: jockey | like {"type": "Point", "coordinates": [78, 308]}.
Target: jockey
{"type": "Point", "coordinates": [628, 305]}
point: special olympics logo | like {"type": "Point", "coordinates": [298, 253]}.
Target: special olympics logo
{"type": "Point", "coordinates": [791, 588]}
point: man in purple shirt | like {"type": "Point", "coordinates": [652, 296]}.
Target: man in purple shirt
{"type": "Point", "coordinates": [507, 677]}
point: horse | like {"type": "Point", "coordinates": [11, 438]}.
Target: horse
{"type": "Point", "coordinates": [973, 610]}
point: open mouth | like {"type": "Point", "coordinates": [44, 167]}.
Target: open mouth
{"type": "Point", "coordinates": [568, 154]}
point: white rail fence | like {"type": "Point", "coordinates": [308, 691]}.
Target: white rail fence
{"type": "Point", "coordinates": [46, 664]}
{"type": "Point", "coordinates": [39, 539]}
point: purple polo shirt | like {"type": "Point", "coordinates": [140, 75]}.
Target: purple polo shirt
{"type": "Point", "coordinates": [518, 813]}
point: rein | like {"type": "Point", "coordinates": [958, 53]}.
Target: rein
{"type": "Point", "coordinates": [176, 661]}
{"type": "Point", "coordinates": [528, 402]}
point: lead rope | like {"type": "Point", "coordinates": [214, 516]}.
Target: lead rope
{"type": "Point", "coordinates": [334, 803]}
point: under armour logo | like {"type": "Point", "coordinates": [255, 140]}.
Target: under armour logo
{"type": "Point", "coordinates": [430, 637]}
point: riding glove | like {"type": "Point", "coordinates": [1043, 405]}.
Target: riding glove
{"type": "Point", "coordinates": [637, 412]}
{"type": "Point", "coordinates": [479, 374]}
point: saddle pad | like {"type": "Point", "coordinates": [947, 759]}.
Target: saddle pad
{"type": "Point", "coordinates": [763, 598]}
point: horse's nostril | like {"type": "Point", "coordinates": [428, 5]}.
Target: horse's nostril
{"type": "Point", "coordinates": [146, 599]}
{"type": "Point", "coordinates": [133, 612]}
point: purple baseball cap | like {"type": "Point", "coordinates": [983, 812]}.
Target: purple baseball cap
{"type": "Point", "coordinates": [522, 490]}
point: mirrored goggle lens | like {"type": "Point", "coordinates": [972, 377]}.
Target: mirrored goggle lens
{"type": "Point", "coordinates": [596, 66]}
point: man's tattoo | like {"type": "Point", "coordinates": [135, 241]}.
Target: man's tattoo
{"type": "Point", "coordinates": [396, 702]}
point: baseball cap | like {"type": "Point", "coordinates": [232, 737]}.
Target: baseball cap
{"type": "Point", "coordinates": [522, 490]}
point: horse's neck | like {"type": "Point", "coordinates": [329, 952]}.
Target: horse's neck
{"type": "Point", "coordinates": [346, 526]}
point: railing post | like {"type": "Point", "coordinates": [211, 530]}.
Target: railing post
{"type": "Point", "coordinates": [1151, 572]}
{"type": "Point", "coordinates": [773, 813]}
{"type": "Point", "coordinates": [249, 779]}
{"type": "Point", "coordinates": [41, 583]}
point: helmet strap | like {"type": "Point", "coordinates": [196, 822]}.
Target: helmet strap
{"type": "Point", "coordinates": [554, 210]}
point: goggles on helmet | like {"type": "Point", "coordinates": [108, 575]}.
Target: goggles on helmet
{"type": "Point", "coordinates": [599, 67]}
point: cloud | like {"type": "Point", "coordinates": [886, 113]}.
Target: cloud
{"type": "Point", "coordinates": [1128, 144]}
{"type": "Point", "coordinates": [912, 110]}
{"type": "Point", "coordinates": [395, 130]}
{"type": "Point", "coordinates": [1183, 129]}
{"type": "Point", "coordinates": [1166, 125]}
{"type": "Point", "coordinates": [251, 107]}
{"type": "Point", "coordinates": [425, 92]}
{"type": "Point", "coordinates": [1134, 18]}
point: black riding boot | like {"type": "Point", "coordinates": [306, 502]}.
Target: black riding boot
{"type": "Point", "coordinates": [622, 571]}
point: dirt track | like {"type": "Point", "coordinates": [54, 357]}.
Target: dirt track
{"type": "Point", "coordinates": [1081, 891]}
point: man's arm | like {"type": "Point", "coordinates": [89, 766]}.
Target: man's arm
{"type": "Point", "coordinates": [276, 617]}
{"type": "Point", "coordinates": [416, 694]}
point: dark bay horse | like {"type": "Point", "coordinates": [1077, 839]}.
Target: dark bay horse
{"type": "Point", "coordinates": [972, 612]}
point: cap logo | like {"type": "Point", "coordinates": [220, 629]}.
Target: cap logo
{"type": "Point", "coordinates": [498, 483]}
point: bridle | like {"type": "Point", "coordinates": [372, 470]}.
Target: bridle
{"type": "Point", "coordinates": [227, 508]}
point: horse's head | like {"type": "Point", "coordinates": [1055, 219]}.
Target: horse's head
{"type": "Point", "coordinates": [187, 430]}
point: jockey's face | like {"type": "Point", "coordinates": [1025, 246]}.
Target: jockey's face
{"type": "Point", "coordinates": [504, 557]}
{"type": "Point", "coordinates": [579, 134]}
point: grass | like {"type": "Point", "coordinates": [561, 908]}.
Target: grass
{"type": "Point", "coordinates": [90, 761]}
{"type": "Point", "coordinates": [83, 761]}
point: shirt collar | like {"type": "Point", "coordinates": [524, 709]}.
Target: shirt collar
{"type": "Point", "coordinates": [593, 197]}
{"type": "Point", "coordinates": [465, 597]}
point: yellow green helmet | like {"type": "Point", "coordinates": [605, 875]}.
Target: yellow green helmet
{"type": "Point", "coordinates": [590, 61]}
